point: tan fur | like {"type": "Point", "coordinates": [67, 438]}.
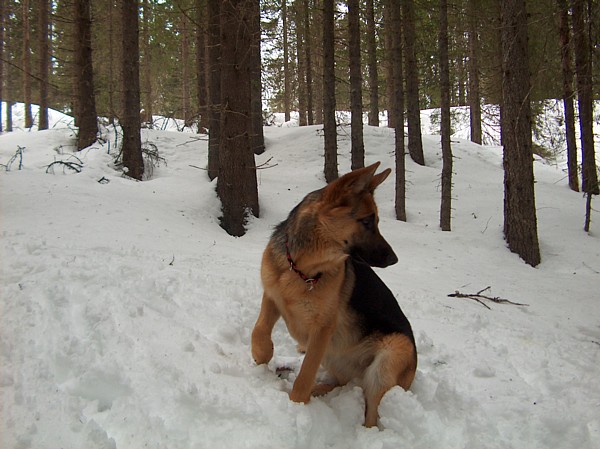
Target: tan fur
{"type": "Point", "coordinates": [320, 319]}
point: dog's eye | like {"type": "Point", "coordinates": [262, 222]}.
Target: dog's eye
{"type": "Point", "coordinates": [368, 222]}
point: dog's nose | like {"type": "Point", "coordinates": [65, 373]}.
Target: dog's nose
{"type": "Point", "coordinates": [391, 259]}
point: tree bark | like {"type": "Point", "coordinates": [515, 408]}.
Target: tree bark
{"type": "Point", "coordinates": [26, 65]}
{"type": "Point", "coordinates": [286, 63]}
{"type": "Point", "coordinates": [520, 222]}
{"type": "Point", "coordinates": [568, 77]}
{"type": "Point", "coordinates": [473, 95]}
{"type": "Point", "coordinates": [372, 66]}
{"type": "Point", "coordinates": [394, 21]}
{"type": "Point", "coordinates": [415, 142]}
{"type": "Point", "coordinates": [257, 137]}
{"type": "Point", "coordinates": [301, 61]}
{"type": "Point", "coordinates": [308, 65]}
{"type": "Point", "coordinates": [583, 69]}
{"type": "Point", "coordinates": [202, 65]}
{"type": "Point", "coordinates": [446, 205]}
{"type": "Point", "coordinates": [356, 106]}
{"type": "Point", "coordinates": [44, 62]}
{"type": "Point", "coordinates": [147, 60]}
{"type": "Point", "coordinates": [130, 121]}
{"type": "Point", "coordinates": [184, 64]}
{"type": "Point", "coordinates": [389, 35]}
{"type": "Point", "coordinates": [87, 119]}
{"type": "Point", "coordinates": [2, 74]}
{"type": "Point", "coordinates": [236, 184]}
{"type": "Point", "coordinates": [329, 123]}
{"type": "Point", "coordinates": [214, 61]}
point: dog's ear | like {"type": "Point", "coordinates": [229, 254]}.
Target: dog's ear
{"type": "Point", "coordinates": [378, 179]}
{"type": "Point", "coordinates": [354, 183]}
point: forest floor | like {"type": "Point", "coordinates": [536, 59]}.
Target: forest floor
{"type": "Point", "coordinates": [126, 311]}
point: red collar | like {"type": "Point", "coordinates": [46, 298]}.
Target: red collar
{"type": "Point", "coordinates": [310, 281]}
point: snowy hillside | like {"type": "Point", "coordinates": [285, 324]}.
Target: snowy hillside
{"type": "Point", "coordinates": [126, 311]}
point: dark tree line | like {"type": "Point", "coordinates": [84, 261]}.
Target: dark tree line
{"type": "Point", "coordinates": [201, 61]}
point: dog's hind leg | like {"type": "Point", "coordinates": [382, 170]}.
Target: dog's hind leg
{"type": "Point", "coordinates": [262, 344]}
{"type": "Point", "coordinates": [394, 364]}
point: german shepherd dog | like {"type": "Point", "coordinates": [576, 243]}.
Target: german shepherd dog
{"type": "Point", "coordinates": [316, 274]}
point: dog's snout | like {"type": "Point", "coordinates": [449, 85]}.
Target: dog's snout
{"type": "Point", "coordinates": [391, 259]}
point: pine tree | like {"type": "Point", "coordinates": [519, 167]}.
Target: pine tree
{"type": "Point", "coordinates": [329, 123]}
{"type": "Point", "coordinates": [236, 184]}
{"type": "Point", "coordinates": [356, 107]}
{"type": "Point", "coordinates": [44, 62]}
{"type": "Point", "coordinates": [446, 206]}
{"type": "Point", "coordinates": [130, 120]}
{"type": "Point", "coordinates": [214, 85]}
{"type": "Point", "coordinates": [520, 222]}
{"type": "Point", "coordinates": [87, 119]}
{"type": "Point", "coordinates": [372, 65]}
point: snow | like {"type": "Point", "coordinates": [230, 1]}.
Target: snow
{"type": "Point", "coordinates": [127, 311]}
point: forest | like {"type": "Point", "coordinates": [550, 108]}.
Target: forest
{"type": "Point", "coordinates": [224, 67]}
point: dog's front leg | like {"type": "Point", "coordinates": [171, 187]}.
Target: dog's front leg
{"type": "Point", "coordinates": [315, 350]}
{"type": "Point", "coordinates": [262, 344]}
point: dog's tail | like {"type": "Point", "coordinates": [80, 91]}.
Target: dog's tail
{"type": "Point", "coordinates": [395, 363]}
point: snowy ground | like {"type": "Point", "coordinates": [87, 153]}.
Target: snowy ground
{"type": "Point", "coordinates": [127, 312]}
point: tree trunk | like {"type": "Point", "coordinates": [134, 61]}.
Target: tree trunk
{"type": "Point", "coordinates": [520, 222]}
{"type": "Point", "coordinates": [446, 205]}
{"type": "Point", "coordinates": [329, 124]}
{"type": "Point", "coordinates": [87, 119]}
{"type": "Point", "coordinates": [583, 69]}
{"type": "Point", "coordinates": [184, 64]}
{"type": "Point", "coordinates": [202, 65]}
{"type": "Point", "coordinates": [147, 60]}
{"type": "Point", "coordinates": [257, 137]}
{"type": "Point", "coordinates": [27, 65]}
{"type": "Point", "coordinates": [372, 66]}
{"type": "Point", "coordinates": [214, 87]}
{"type": "Point", "coordinates": [236, 185]}
{"type": "Point", "coordinates": [2, 74]}
{"type": "Point", "coordinates": [473, 68]}
{"type": "Point", "coordinates": [567, 72]}
{"type": "Point", "coordinates": [44, 62]}
{"type": "Point", "coordinates": [389, 35]}
{"type": "Point", "coordinates": [356, 107]}
{"type": "Point", "coordinates": [133, 161]}
{"type": "Point", "coordinates": [300, 58]}
{"type": "Point", "coordinates": [415, 143]}
{"type": "Point", "coordinates": [286, 63]}
{"type": "Point", "coordinates": [307, 56]}
{"type": "Point", "coordinates": [316, 42]}
{"type": "Point", "coordinates": [393, 17]}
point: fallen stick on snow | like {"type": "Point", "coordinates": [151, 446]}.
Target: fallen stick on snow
{"type": "Point", "coordinates": [478, 297]}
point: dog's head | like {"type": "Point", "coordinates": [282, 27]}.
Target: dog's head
{"type": "Point", "coordinates": [349, 216]}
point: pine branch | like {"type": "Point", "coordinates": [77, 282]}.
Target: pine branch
{"type": "Point", "coordinates": [478, 297]}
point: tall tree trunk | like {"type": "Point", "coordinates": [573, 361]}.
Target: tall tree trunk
{"type": "Point", "coordinates": [133, 160]}
{"type": "Point", "coordinates": [2, 74]}
{"type": "Point", "coordinates": [372, 66]}
{"type": "Point", "coordinates": [147, 98]}
{"type": "Point", "coordinates": [257, 137]}
{"type": "Point", "coordinates": [202, 65]}
{"type": "Point", "coordinates": [389, 35]}
{"type": "Point", "coordinates": [356, 107]}
{"type": "Point", "coordinates": [185, 76]}
{"type": "Point", "coordinates": [583, 69]}
{"type": "Point", "coordinates": [300, 58]}
{"type": "Point", "coordinates": [446, 205]}
{"type": "Point", "coordinates": [329, 124]}
{"type": "Point", "coordinates": [474, 97]}
{"type": "Point", "coordinates": [415, 143]}
{"type": "Point", "coordinates": [568, 77]}
{"type": "Point", "coordinates": [316, 42]}
{"type": "Point", "coordinates": [286, 63]}
{"type": "Point", "coordinates": [308, 66]}
{"type": "Point", "coordinates": [111, 59]}
{"type": "Point", "coordinates": [520, 222]}
{"type": "Point", "coordinates": [214, 87]}
{"type": "Point", "coordinates": [44, 62]}
{"type": "Point", "coordinates": [393, 18]}
{"type": "Point", "coordinates": [236, 185]}
{"type": "Point", "coordinates": [86, 99]}
{"type": "Point", "coordinates": [27, 65]}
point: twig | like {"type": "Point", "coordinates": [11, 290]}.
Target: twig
{"type": "Point", "coordinates": [264, 165]}
{"type": "Point", "coordinates": [478, 297]}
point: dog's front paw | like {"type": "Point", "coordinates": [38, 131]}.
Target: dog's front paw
{"type": "Point", "coordinates": [300, 396]}
{"type": "Point", "coordinates": [262, 348]}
